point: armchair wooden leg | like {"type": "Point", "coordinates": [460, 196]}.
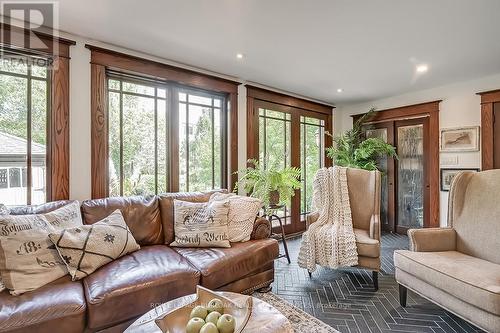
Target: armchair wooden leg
{"type": "Point", "coordinates": [402, 295]}
{"type": "Point", "coordinates": [375, 280]}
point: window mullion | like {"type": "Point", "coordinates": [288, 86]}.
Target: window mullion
{"type": "Point", "coordinates": [187, 142]}
{"type": "Point", "coordinates": [48, 140]}
{"type": "Point", "coordinates": [156, 139]}
{"type": "Point", "coordinates": [173, 159]}
{"type": "Point", "coordinates": [29, 130]}
{"type": "Point", "coordinates": [121, 137]}
{"type": "Point", "coordinates": [265, 140]}
{"type": "Point", "coordinates": [284, 139]}
{"type": "Point", "coordinates": [212, 111]}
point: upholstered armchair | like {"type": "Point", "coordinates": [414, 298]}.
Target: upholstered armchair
{"type": "Point", "coordinates": [364, 197]}
{"type": "Point", "coordinates": [458, 267]}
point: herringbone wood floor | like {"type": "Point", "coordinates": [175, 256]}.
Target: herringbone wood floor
{"type": "Point", "coordinates": [345, 300]}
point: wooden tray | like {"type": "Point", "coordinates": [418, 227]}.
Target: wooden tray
{"type": "Point", "coordinates": [176, 320]}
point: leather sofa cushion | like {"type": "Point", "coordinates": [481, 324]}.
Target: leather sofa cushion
{"type": "Point", "coordinates": [220, 266]}
{"type": "Point", "coordinates": [166, 202]}
{"type": "Point", "coordinates": [132, 285]}
{"type": "Point", "coordinates": [142, 215]}
{"type": "Point", "coordinates": [56, 307]}
{"type": "Point", "coordinates": [38, 209]}
{"type": "Point", "coordinates": [367, 247]}
{"type": "Point", "coordinates": [470, 279]}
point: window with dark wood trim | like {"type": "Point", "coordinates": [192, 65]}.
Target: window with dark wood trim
{"type": "Point", "coordinates": [289, 131]}
{"type": "Point", "coordinates": [34, 117]}
{"type": "Point", "coordinates": [185, 122]}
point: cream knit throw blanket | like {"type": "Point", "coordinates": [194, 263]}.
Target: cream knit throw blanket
{"type": "Point", "coordinates": [330, 241]}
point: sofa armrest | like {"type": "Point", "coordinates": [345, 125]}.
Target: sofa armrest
{"type": "Point", "coordinates": [432, 239]}
{"type": "Point", "coordinates": [261, 228]}
{"type": "Point", "coordinates": [311, 218]}
{"type": "Point", "coordinates": [375, 227]}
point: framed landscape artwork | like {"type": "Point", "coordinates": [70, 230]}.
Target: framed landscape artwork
{"type": "Point", "coordinates": [460, 139]}
{"type": "Point", "coordinates": [447, 176]}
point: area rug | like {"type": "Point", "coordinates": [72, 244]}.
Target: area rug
{"type": "Point", "coordinates": [300, 320]}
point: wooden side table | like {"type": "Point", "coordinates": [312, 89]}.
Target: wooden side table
{"type": "Point", "coordinates": [281, 235]}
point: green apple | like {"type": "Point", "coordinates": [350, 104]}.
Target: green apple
{"type": "Point", "coordinates": [213, 317]}
{"type": "Point", "coordinates": [194, 325]}
{"type": "Point", "coordinates": [209, 328]}
{"type": "Point", "coordinates": [199, 311]}
{"type": "Point", "coordinates": [215, 305]}
{"type": "Point", "coordinates": [226, 324]}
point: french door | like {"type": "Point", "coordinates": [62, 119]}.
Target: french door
{"type": "Point", "coordinates": [289, 136]}
{"type": "Point", "coordinates": [406, 181]}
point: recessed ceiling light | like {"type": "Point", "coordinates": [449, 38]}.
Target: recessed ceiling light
{"type": "Point", "coordinates": [239, 55]}
{"type": "Point", "coordinates": [340, 90]}
{"type": "Point", "coordinates": [422, 68]}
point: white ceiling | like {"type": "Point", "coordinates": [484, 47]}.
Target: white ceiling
{"type": "Point", "coordinates": [308, 47]}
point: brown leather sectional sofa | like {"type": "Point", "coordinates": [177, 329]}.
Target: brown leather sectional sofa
{"type": "Point", "coordinates": [111, 298]}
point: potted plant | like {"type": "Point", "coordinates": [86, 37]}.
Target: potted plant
{"type": "Point", "coordinates": [274, 187]}
{"type": "Point", "coordinates": [351, 148]}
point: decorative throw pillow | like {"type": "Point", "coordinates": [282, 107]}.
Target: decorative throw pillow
{"type": "Point", "coordinates": [84, 249]}
{"type": "Point", "coordinates": [201, 224]}
{"type": "Point", "coordinates": [3, 211]}
{"type": "Point", "coordinates": [28, 259]}
{"type": "Point", "coordinates": [242, 214]}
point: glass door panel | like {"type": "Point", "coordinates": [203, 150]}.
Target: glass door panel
{"type": "Point", "coordinates": [312, 148]}
{"type": "Point", "coordinates": [410, 175]}
{"type": "Point", "coordinates": [381, 133]}
{"type": "Point", "coordinates": [275, 146]}
{"type": "Point", "coordinates": [289, 136]}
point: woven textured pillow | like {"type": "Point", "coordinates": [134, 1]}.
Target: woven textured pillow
{"type": "Point", "coordinates": [84, 249]}
{"type": "Point", "coordinates": [201, 224]}
{"type": "Point", "coordinates": [28, 259]}
{"type": "Point", "coordinates": [242, 214]}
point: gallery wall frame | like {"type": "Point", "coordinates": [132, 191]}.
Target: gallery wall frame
{"type": "Point", "coordinates": [459, 139]}
{"type": "Point", "coordinates": [448, 174]}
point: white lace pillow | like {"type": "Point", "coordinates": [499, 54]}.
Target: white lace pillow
{"type": "Point", "coordinates": [28, 259]}
{"type": "Point", "coordinates": [201, 224]}
{"type": "Point", "coordinates": [242, 214]}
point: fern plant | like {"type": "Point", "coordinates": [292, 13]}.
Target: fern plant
{"type": "Point", "coordinates": [260, 182]}
{"type": "Point", "coordinates": [351, 149]}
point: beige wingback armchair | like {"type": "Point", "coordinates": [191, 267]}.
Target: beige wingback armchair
{"type": "Point", "coordinates": [364, 197]}
{"type": "Point", "coordinates": [458, 267]}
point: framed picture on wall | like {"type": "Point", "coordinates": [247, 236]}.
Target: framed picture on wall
{"type": "Point", "coordinates": [460, 139]}
{"type": "Point", "coordinates": [447, 176]}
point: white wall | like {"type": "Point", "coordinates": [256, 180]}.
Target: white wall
{"type": "Point", "coordinates": [460, 107]}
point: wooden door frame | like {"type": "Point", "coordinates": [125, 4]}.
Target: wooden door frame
{"type": "Point", "coordinates": [258, 97]}
{"type": "Point", "coordinates": [431, 110]}
{"type": "Point", "coordinates": [488, 99]}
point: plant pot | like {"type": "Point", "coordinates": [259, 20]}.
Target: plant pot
{"type": "Point", "coordinates": [274, 198]}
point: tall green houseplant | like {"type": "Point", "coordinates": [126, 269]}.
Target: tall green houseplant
{"type": "Point", "coordinates": [273, 186]}
{"type": "Point", "coordinates": [351, 148]}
